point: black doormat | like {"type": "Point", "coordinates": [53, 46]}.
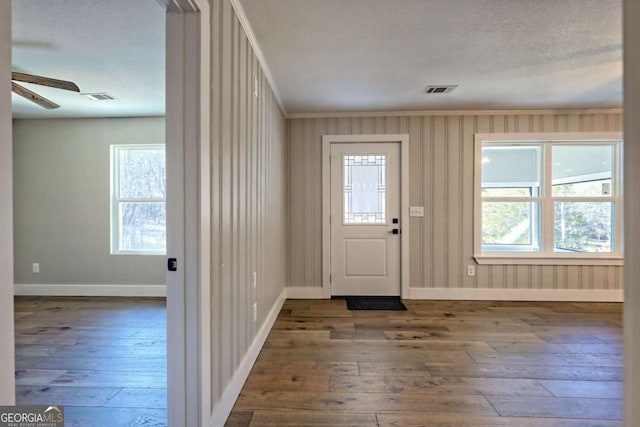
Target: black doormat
{"type": "Point", "coordinates": [375, 303]}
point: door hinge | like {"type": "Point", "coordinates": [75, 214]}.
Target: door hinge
{"type": "Point", "coordinates": [329, 278]}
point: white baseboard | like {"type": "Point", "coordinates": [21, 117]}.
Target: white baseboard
{"type": "Point", "coordinates": [231, 393]}
{"type": "Point", "coordinates": [304, 293]}
{"type": "Point", "coordinates": [573, 295]}
{"type": "Point", "coordinates": [98, 290]}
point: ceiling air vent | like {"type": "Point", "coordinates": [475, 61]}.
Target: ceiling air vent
{"type": "Point", "coordinates": [432, 90]}
{"type": "Point", "coordinates": [99, 96]}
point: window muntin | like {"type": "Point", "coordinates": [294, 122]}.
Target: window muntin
{"type": "Point", "coordinates": [548, 198]}
{"type": "Point", "coordinates": [138, 199]}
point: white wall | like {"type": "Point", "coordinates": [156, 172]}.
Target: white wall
{"type": "Point", "coordinates": [7, 395]}
{"type": "Point", "coordinates": [61, 191]}
{"type": "Point", "coordinates": [441, 179]}
{"type": "Point", "coordinates": [632, 212]}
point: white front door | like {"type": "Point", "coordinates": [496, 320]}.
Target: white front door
{"type": "Point", "coordinates": [365, 218]}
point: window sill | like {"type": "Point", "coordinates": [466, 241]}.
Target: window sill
{"type": "Point", "coordinates": [529, 259]}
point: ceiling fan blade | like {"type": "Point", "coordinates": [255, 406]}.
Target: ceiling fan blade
{"type": "Point", "coordinates": [45, 81]}
{"type": "Point", "coordinates": [33, 97]}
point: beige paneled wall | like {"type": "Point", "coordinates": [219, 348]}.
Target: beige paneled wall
{"type": "Point", "coordinates": [441, 180]}
{"type": "Point", "coordinates": [248, 177]}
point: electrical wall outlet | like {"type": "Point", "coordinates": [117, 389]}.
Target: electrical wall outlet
{"type": "Point", "coordinates": [35, 268]}
{"type": "Point", "coordinates": [255, 311]}
{"type": "Point", "coordinates": [471, 270]}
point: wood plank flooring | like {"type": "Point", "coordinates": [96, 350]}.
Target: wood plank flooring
{"type": "Point", "coordinates": [103, 359]}
{"type": "Point", "coordinates": [438, 364]}
{"type": "Point", "coordinates": [475, 364]}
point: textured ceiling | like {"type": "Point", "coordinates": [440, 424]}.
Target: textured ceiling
{"type": "Point", "coordinates": [114, 46]}
{"type": "Point", "coordinates": [340, 55]}
{"type": "Point", "coordinates": [367, 55]}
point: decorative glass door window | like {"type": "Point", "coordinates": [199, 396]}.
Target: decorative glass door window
{"type": "Point", "coordinates": [365, 189]}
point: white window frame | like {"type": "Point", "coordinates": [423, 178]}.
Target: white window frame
{"type": "Point", "coordinates": [114, 215]}
{"type": "Point", "coordinates": [546, 255]}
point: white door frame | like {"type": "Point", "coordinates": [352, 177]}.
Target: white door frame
{"type": "Point", "coordinates": [188, 129]}
{"type": "Point", "coordinates": [7, 357]}
{"type": "Point", "coordinates": [327, 140]}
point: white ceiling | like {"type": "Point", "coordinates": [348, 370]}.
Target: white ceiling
{"type": "Point", "coordinates": [114, 46]}
{"type": "Point", "coordinates": [339, 55]}
{"type": "Point", "coordinates": [345, 55]}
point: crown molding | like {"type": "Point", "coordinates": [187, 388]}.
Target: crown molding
{"type": "Point", "coordinates": [179, 6]}
{"type": "Point", "coordinates": [244, 21]}
{"type": "Point", "coordinates": [514, 112]}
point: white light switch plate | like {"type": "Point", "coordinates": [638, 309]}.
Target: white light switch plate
{"type": "Point", "coordinates": [416, 210]}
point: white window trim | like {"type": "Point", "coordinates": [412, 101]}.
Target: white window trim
{"type": "Point", "coordinates": [546, 256]}
{"type": "Point", "coordinates": [114, 217]}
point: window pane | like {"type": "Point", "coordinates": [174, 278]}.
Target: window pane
{"type": "Point", "coordinates": [583, 226]}
{"type": "Point", "coordinates": [365, 189]}
{"type": "Point", "coordinates": [512, 167]}
{"type": "Point", "coordinates": [142, 173]}
{"type": "Point", "coordinates": [510, 226]}
{"type": "Point", "coordinates": [580, 170]}
{"type": "Point", "coordinates": [143, 227]}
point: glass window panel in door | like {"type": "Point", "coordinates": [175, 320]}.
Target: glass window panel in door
{"type": "Point", "coordinates": [365, 189]}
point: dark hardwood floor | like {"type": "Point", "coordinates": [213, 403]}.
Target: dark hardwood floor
{"type": "Point", "coordinates": [103, 359]}
{"type": "Point", "coordinates": [475, 364]}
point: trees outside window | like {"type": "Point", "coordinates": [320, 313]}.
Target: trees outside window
{"type": "Point", "coordinates": [548, 197]}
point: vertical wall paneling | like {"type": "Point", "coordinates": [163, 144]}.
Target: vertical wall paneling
{"type": "Point", "coordinates": [296, 206]}
{"type": "Point", "coordinates": [318, 131]}
{"type": "Point", "coordinates": [248, 198]}
{"type": "Point", "coordinates": [308, 161]}
{"type": "Point", "coordinates": [216, 210]}
{"type": "Point", "coordinates": [441, 179]}
{"type": "Point", "coordinates": [466, 194]}
{"type": "Point", "coordinates": [226, 64]}
{"type": "Point", "coordinates": [415, 156]}
{"type": "Point", "coordinates": [427, 192]}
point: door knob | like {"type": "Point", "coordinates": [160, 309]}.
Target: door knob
{"type": "Point", "coordinates": [394, 231]}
